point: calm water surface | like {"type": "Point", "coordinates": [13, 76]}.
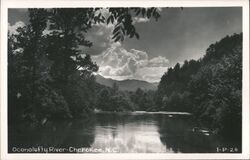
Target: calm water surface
{"type": "Point", "coordinates": [118, 132]}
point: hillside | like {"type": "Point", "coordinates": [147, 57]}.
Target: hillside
{"type": "Point", "coordinates": [126, 85]}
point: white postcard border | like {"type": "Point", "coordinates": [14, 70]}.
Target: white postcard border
{"type": "Point", "coordinates": [5, 4]}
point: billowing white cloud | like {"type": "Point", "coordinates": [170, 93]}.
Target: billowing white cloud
{"type": "Point", "coordinates": [101, 36]}
{"type": "Point", "coordinates": [118, 63]}
{"type": "Point", "coordinates": [13, 29]}
{"type": "Point", "coordinates": [140, 20]}
{"type": "Point", "coordinates": [158, 62]}
{"type": "Point", "coordinates": [151, 74]}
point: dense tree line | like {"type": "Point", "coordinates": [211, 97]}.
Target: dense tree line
{"type": "Point", "coordinates": [113, 99]}
{"type": "Point", "coordinates": [48, 76]}
{"type": "Point", "coordinates": [210, 88]}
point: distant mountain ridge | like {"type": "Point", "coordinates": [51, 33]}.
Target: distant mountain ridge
{"type": "Point", "coordinates": [126, 85]}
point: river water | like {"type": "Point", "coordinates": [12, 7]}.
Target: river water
{"type": "Point", "coordinates": [136, 132]}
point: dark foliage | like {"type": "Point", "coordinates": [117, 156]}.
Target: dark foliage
{"type": "Point", "coordinates": [48, 77]}
{"type": "Point", "coordinates": [211, 87]}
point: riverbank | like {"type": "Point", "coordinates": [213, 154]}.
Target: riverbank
{"type": "Point", "coordinates": [145, 112]}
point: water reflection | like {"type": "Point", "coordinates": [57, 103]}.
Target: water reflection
{"type": "Point", "coordinates": [176, 133]}
{"type": "Point", "coordinates": [126, 133]}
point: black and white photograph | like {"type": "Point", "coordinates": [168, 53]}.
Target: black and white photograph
{"type": "Point", "coordinates": [121, 80]}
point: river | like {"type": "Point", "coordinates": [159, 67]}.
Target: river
{"type": "Point", "coordinates": [136, 132]}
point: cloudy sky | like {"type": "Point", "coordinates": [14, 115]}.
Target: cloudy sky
{"type": "Point", "coordinates": [177, 36]}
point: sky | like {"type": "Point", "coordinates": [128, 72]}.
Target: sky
{"type": "Point", "coordinates": [177, 36]}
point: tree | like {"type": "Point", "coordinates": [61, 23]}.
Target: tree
{"type": "Point", "coordinates": [210, 87]}
{"type": "Point", "coordinates": [54, 78]}
{"type": "Point", "coordinates": [103, 99]}
{"type": "Point", "coordinates": [143, 100]}
{"type": "Point", "coordinates": [69, 28]}
{"type": "Point", "coordinates": [29, 42]}
{"type": "Point", "coordinates": [28, 74]}
{"type": "Point", "coordinates": [35, 50]}
{"type": "Point", "coordinates": [115, 88]}
{"type": "Point", "coordinates": [173, 87]}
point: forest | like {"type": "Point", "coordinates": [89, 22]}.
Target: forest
{"type": "Point", "coordinates": [210, 88]}
{"type": "Point", "coordinates": [48, 77]}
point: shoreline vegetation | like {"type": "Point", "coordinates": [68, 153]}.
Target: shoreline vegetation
{"type": "Point", "coordinates": [145, 112]}
{"type": "Point", "coordinates": [48, 78]}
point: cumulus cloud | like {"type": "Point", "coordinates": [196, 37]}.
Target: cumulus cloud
{"type": "Point", "coordinates": [101, 36]}
{"type": "Point", "coordinates": [140, 20]}
{"type": "Point", "coordinates": [13, 28]}
{"type": "Point", "coordinates": [119, 63]}
{"type": "Point", "coordinates": [158, 62]}
{"type": "Point", "coordinates": [151, 74]}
